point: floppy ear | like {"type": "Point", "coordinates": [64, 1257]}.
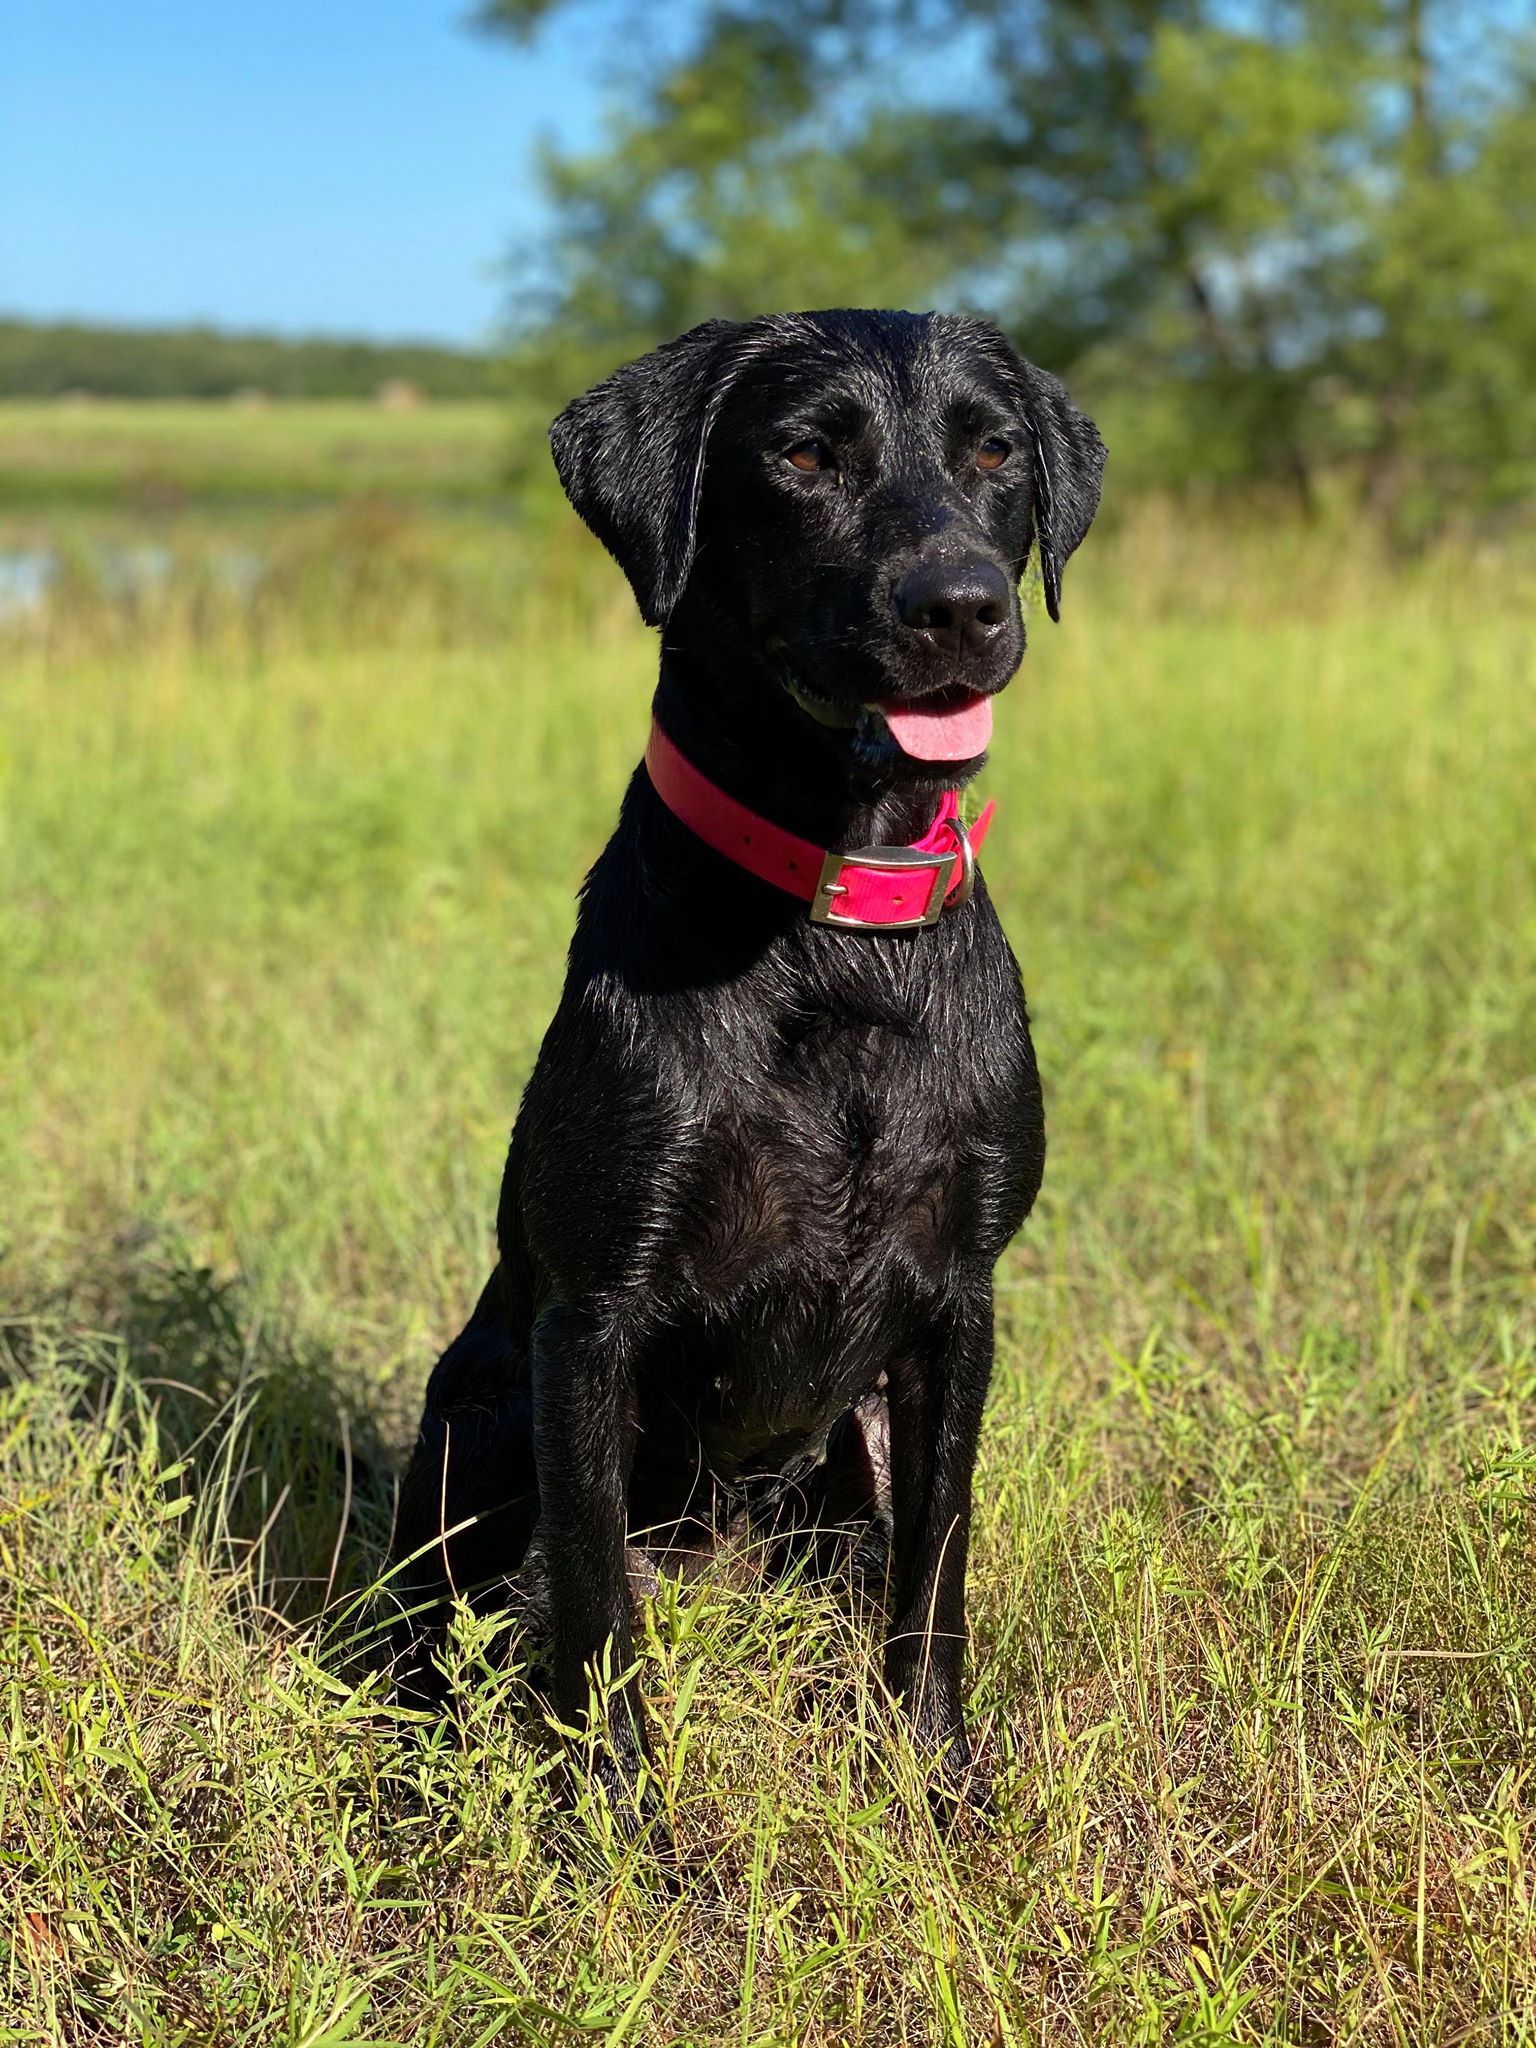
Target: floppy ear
{"type": "Point", "coordinates": [1067, 458]}
{"type": "Point", "coordinates": [630, 453]}
{"type": "Point", "coordinates": [1069, 462]}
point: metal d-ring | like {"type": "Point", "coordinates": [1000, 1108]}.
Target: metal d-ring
{"type": "Point", "coordinates": [967, 863]}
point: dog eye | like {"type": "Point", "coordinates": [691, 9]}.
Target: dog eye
{"type": "Point", "coordinates": [809, 456]}
{"type": "Point", "coordinates": [992, 453]}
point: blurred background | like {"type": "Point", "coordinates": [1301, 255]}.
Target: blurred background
{"type": "Point", "coordinates": [1283, 251]}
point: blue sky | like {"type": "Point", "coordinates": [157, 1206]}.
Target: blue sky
{"type": "Point", "coordinates": [342, 166]}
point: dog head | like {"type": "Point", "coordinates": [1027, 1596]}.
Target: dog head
{"type": "Point", "coordinates": [840, 506]}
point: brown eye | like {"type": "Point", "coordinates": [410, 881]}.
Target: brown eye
{"type": "Point", "coordinates": [992, 453]}
{"type": "Point", "coordinates": [808, 456]}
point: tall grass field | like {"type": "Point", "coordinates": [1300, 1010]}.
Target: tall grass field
{"type": "Point", "coordinates": [287, 862]}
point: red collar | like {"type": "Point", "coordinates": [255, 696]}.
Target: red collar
{"type": "Point", "coordinates": [872, 888]}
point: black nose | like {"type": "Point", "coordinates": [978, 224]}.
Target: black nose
{"type": "Point", "coordinates": [958, 607]}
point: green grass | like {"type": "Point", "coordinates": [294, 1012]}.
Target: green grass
{"type": "Point", "coordinates": [158, 457]}
{"type": "Point", "coordinates": [1254, 1595]}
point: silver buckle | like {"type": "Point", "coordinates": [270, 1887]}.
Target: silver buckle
{"type": "Point", "coordinates": [967, 861]}
{"type": "Point", "coordinates": [887, 860]}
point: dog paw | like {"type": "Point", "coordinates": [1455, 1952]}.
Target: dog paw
{"type": "Point", "coordinates": [961, 1786]}
{"type": "Point", "coordinates": [610, 1791]}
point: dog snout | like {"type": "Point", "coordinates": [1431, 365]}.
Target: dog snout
{"type": "Point", "coordinates": [958, 607]}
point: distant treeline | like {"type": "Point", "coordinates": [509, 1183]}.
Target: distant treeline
{"type": "Point", "coordinates": [48, 361]}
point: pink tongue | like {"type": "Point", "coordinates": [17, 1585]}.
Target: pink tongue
{"type": "Point", "coordinates": [954, 731]}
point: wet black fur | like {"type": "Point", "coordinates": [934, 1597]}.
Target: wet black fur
{"type": "Point", "coordinates": [763, 1168]}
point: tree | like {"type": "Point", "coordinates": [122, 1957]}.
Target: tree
{"type": "Point", "coordinates": [1278, 233]}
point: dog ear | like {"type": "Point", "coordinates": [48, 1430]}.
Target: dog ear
{"type": "Point", "coordinates": [630, 454]}
{"type": "Point", "coordinates": [1069, 462]}
{"type": "Point", "coordinates": [1068, 459]}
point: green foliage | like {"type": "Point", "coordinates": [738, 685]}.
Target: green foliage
{"type": "Point", "coordinates": [1280, 240]}
{"type": "Point", "coordinates": [283, 904]}
{"type": "Point", "coordinates": [39, 360]}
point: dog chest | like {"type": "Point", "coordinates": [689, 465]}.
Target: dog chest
{"type": "Point", "coordinates": [847, 1157]}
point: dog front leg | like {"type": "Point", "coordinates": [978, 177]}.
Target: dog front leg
{"type": "Point", "coordinates": [584, 1428]}
{"type": "Point", "coordinates": [935, 1397]}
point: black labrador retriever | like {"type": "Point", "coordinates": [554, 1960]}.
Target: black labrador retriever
{"type": "Point", "coordinates": [787, 1115]}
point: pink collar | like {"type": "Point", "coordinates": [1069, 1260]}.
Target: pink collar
{"type": "Point", "coordinates": [872, 888]}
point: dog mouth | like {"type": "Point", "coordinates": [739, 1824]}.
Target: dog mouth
{"type": "Point", "coordinates": [948, 725]}
{"type": "Point", "coordinates": [951, 724]}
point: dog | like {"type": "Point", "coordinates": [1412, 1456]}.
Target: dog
{"type": "Point", "coordinates": [787, 1115]}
